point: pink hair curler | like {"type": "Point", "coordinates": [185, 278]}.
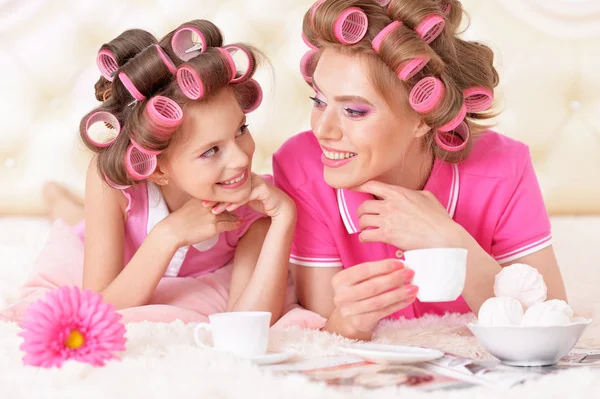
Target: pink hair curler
{"type": "Point", "coordinates": [190, 83]}
{"type": "Point", "coordinates": [140, 164]}
{"type": "Point", "coordinates": [453, 141]}
{"type": "Point", "coordinates": [309, 44]}
{"type": "Point", "coordinates": [411, 68]}
{"type": "Point", "coordinates": [351, 26]}
{"type": "Point", "coordinates": [447, 127]}
{"type": "Point", "coordinates": [431, 27]}
{"type": "Point", "coordinates": [107, 63]}
{"type": "Point", "coordinates": [255, 96]}
{"type": "Point", "coordinates": [165, 58]}
{"type": "Point", "coordinates": [230, 61]}
{"type": "Point", "coordinates": [164, 115]}
{"type": "Point", "coordinates": [478, 99]}
{"type": "Point", "coordinates": [247, 65]}
{"type": "Point", "coordinates": [426, 95]}
{"type": "Point", "coordinates": [383, 3]}
{"type": "Point", "coordinates": [101, 123]}
{"type": "Point", "coordinates": [185, 43]}
{"type": "Point", "coordinates": [131, 87]}
{"type": "Point", "coordinates": [306, 65]}
{"type": "Point", "coordinates": [446, 7]}
{"type": "Point", "coordinates": [385, 32]}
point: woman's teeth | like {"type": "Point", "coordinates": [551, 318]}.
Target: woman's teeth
{"type": "Point", "coordinates": [338, 155]}
{"type": "Point", "coordinates": [239, 179]}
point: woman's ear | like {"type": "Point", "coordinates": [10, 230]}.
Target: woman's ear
{"type": "Point", "coordinates": [160, 175]}
{"type": "Point", "coordinates": [421, 129]}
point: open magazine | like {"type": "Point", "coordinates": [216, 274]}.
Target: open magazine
{"type": "Point", "coordinates": [447, 372]}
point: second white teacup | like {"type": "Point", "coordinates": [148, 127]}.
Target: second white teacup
{"type": "Point", "coordinates": [440, 273]}
{"type": "Point", "coordinates": [244, 334]}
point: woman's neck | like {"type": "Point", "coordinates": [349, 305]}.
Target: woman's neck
{"type": "Point", "coordinates": [412, 173]}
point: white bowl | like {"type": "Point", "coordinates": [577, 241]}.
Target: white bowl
{"type": "Point", "coordinates": [529, 345]}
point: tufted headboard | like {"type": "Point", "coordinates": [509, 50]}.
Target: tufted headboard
{"type": "Point", "coordinates": [547, 54]}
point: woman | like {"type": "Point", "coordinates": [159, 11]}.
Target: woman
{"type": "Point", "coordinates": [398, 159]}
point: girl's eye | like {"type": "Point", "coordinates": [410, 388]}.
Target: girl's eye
{"type": "Point", "coordinates": [242, 130]}
{"type": "Point", "coordinates": [210, 153]}
{"type": "Point", "coordinates": [318, 103]}
{"type": "Point", "coordinates": [352, 113]}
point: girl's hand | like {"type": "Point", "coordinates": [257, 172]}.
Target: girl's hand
{"type": "Point", "coordinates": [264, 198]}
{"type": "Point", "coordinates": [193, 223]}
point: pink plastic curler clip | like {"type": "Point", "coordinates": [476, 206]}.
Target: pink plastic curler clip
{"type": "Point", "coordinates": [164, 114]}
{"type": "Point", "coordinates": [190, 83]}
{"type": "Point", "coordinates": [385, 32]}
{"type": "Point", "coordinates": [309, 44]}
{"type": "Point", "coordinates": [245, 66]}
{"type": "Point", "coordinates": [426, 94]}
{"type": "Point", "coordinates": [256, 93]}
{"type": "Point", "coordinates": [131, 87]}
{"type": "Point", "coordinates": [184, 44]}
{"type": "Point", "coordinates": [107, 63]}
{"type": "Point", "coordinates": [351, 26]}
{"type": "Point", "coordinates": [306, 65]}
{"type": "Point", "coordinates": [446, 7]}
{"type": "Point", "coordinates": [431, 27]}
{"type": "Point", "coordinates": [104, 124]}
{"type": "Point", "coordinates": [478, 99]}
{"type": "Point", "coordinates": [411, 68]}
{"type": "Point", "coordinates": [447, 127]}
{"type": "Point", "coordinates": [140, 165]}
{"type": "Point", "coordinates": [230, 61]}
{"type": "Point", "coordinates": [383, 3]}
{"type": "Point", "coordinates": [453, 141]}
{"type": "Point", "coordinates": [165, 58]}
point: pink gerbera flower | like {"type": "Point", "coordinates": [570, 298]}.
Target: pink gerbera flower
{"type": "Point", "coordinates": [71, 324]}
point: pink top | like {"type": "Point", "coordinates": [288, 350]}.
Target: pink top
{"type": "Point", "coordinates": [147, 207]}
{"type": "Point", "coordinates": [494, 195]}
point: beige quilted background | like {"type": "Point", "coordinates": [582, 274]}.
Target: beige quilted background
{"type": "Point", "coordinates": [547, 54]}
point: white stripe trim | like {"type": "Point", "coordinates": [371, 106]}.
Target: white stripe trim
{"type": "Point", "coordinates": [332, 259]}
{"type": "Point", "coordinates": [453, 201]}
{"type": "Point", "coordinates": [315, 264]}
{"type": "Point", "coordinates": [524, 252]}
{"type": "Point", "coordinates": [345, 213]}
{"type": "Point", "coordinates": [525, 247]}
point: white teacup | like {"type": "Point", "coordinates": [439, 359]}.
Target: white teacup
{"type": "Point", "coordinates": [440, 273]}
{"type": "Point", "coordinates": [244, 334]}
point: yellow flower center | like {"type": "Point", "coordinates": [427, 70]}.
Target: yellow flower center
{"type": "Point", "coordinates": [75, 340]}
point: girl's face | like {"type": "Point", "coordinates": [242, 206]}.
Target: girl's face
{"type": "Point", "coordinates": [211, 157]}
{"type": "Point", "coordinates": [361, 136]}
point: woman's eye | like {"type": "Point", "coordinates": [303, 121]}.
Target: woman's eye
{"type": "Point", "coordinates": [318, 103]}
{"type": "Point", "coordinates": [352, 113]}
{"type": "Point", "coordinates": [210, 153]}
{"type": "Point", "coordinates": [242, 130]}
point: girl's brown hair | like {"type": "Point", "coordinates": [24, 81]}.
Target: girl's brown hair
{"type": "Point", "coordinates": [459, 64]}
{"type": "Point", "coordinates": [138, 57]}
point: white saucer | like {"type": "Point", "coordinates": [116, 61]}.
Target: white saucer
{"type": "Point", "coordinates": [271, 358]}
{"type": "Point", "coordinates": [391, 354]}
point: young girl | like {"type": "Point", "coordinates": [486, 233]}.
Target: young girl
{"type": "Point", "coordinates": [171, 143]}
{"type": "Point", "coordinates": [399, 159]}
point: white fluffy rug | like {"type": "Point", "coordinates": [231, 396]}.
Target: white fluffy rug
{"type": "Point", "coordinates": [162, 360]}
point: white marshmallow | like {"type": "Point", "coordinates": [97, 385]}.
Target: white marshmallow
{"type": "Point", "coordinates": [501, 311]}
{"type": "Point", "coordinates": [521, 282]}
{"type": "Point", "coordinates": [551, 313]}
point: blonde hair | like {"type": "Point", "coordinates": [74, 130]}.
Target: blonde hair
{"type": "Point", "coordinates": [457, 63]}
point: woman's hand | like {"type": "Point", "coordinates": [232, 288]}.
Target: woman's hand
{"type": "Point", "coordinates": [264, 198]}
{"type": "Point", "coordinates": [406, 219]}
{"type": "Point", "coordinates": [193, 223]}
{"type": "Point", "coordinates": [368, 292]}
